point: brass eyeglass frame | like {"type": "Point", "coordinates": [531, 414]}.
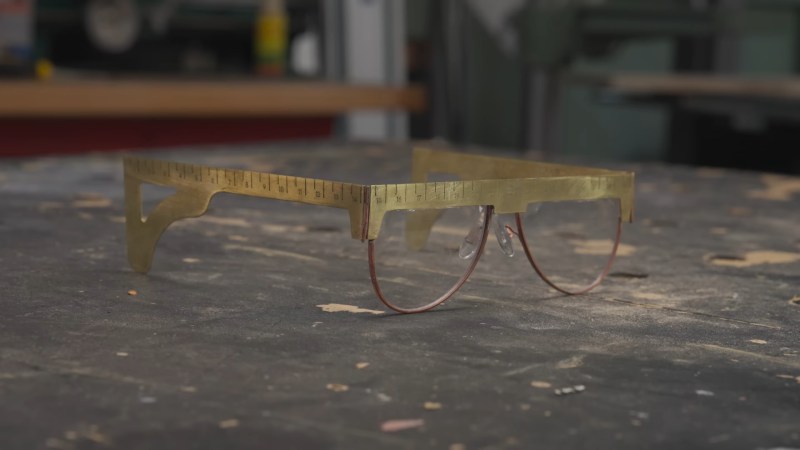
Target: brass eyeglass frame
{"type": "Point", "coordinates": [502, 185]}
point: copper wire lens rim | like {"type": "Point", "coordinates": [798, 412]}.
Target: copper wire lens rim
{"type": "Point", "coordinates": [376, 284]}
{"type": "Point", "coordinates": [529, 253]}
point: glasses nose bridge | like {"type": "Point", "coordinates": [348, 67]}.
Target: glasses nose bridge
{"type": "Point", "coordinates": [503, 232]}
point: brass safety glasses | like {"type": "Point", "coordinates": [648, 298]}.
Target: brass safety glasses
{"type": "Point", "coordinates": [425, 237]}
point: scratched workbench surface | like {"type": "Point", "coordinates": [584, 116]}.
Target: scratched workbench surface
{"type": "Point", "coordinates": [693, 341]}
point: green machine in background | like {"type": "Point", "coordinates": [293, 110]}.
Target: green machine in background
{"type": "Point", "coordinates": [553, 35]}
{"type": "Point", "coordinates": [701, 36]}
{"type": "Point", "coordinates": [528, 98]}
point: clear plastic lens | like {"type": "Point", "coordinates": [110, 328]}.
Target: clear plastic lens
{"type": "Point", "coordinates": [472, 241]}
{"type": "Point", "coordinates": [571, 244]}
{"type": "Point", "coordinates": [421, 256]}
{"type": "Point", "coordinates": [503, 224]}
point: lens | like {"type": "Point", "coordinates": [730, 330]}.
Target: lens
{"type": "Point", "coordinates": [572, 244]}
{"type": "Point", "coordinates": [421, 257]}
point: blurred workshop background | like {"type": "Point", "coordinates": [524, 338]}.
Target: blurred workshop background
{"type": "Point", "coordinates": [706, 82]}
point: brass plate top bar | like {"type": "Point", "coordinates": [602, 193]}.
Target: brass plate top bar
{"type": "Point", "coordinates": [508, 185]}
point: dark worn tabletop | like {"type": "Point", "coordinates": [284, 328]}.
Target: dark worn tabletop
{"type": "Point", "coordinates": [693, 342]}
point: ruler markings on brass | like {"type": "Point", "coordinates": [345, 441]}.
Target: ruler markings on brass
{"type": "Point", "coordinates": [308, 190]}
{"type": "Point", "coordinates": [324, 192]}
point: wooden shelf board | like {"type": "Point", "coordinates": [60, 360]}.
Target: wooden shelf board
{"type": "Point", "coordinates": [32, 99]}
{"type": "Point", "coordinates": [785, 88]}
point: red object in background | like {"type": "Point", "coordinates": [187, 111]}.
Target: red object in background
{"type": "Point", "coordinates": [26, 137]}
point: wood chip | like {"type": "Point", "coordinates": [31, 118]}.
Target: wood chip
{"type": "Point", "coordinates": [601, 247]}
{"type": "Point", "coordinates": [225, 221]}
{"type": "Point", "coordinates": [649, 296]}
{"type": "Point", "coordinates": [541, 384]}
{"type": "Point", "coordinates": [92, 203]}
{"type": "Point", "coordinates": [122, 353]}
{"type": "Point", "coordinates": [739, 211]}
{"type": "Point", "coordinates": [778, 188]}
{"type": "Point", "coordinates": [755, 258]}
{"type": "Point", "coordinates": [570, 390]}
{"type": "Point", "coordinates": [47, 206]}
{"type": "Point", "coordinates": [571, 362]}
{"type": "Point", "coordinates": [335, 387]}
{"type": "Point", "coordinates": [54, 443]}
{"type": "Point", "coordinates": [362, 365]}
{"type": "Point", "coordinates": [133, 293]}
{"type": "Point", "coordinates": [790, 377]}
{"type": "Point", "coordinates": [432, 406]}
{"type": "Point", "coordinates": [336, 307]}
{"type": "Point", "coordinates": [758, 341]}
{"type": "Point", "coordinates": [391, 426]}
{"type": "Point", "coordinates": [229, 423]}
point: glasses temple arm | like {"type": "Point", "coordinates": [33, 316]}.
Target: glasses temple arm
{"type": "Point", "coordinates": [142, 234]}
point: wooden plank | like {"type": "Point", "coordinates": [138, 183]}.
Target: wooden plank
{"type": "Point", "coordinates": [787, 88]}
{"type": "Point", "coordinates": [198, 99]}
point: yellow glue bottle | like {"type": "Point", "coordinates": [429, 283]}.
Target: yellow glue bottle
{"type": "Point", "coordinates": [271, 36]}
